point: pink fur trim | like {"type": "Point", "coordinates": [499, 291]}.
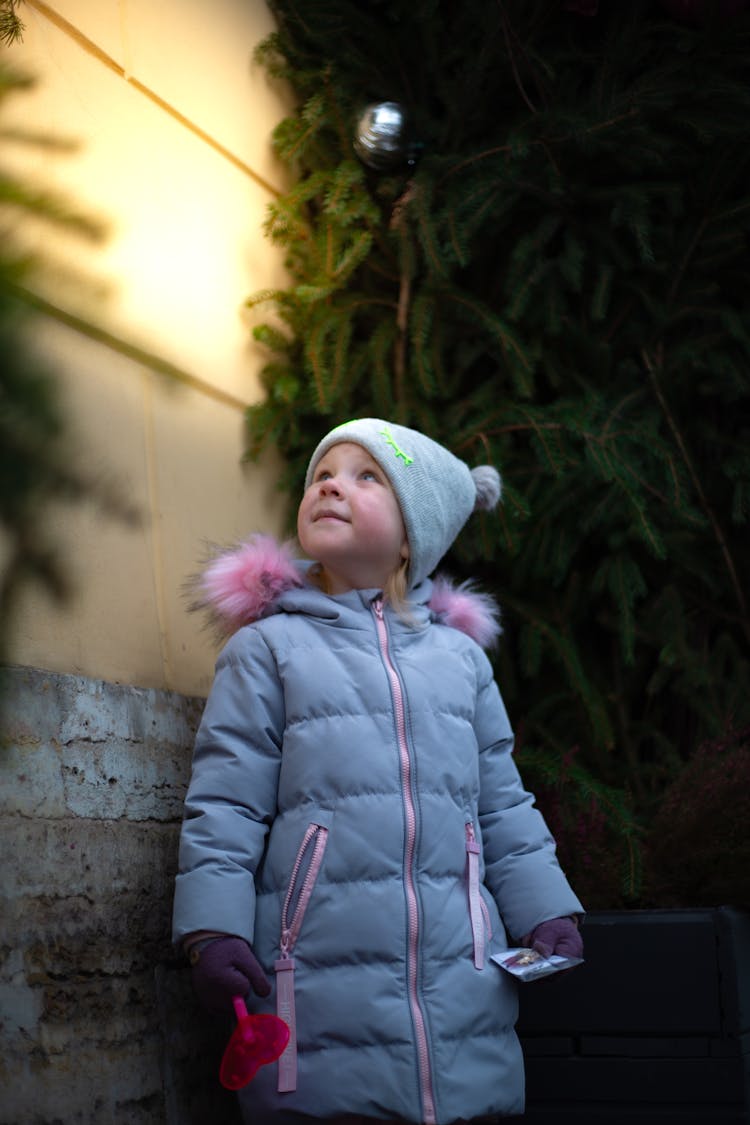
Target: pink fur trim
{"type": "Point", "coordinates": [462, 608]}
{"type": "Point", "coordinates": [239, 585]}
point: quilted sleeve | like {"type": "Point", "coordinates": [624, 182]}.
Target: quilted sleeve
{"type": "Point", "coordinates": [231, 798]}
{"type": "Point", "coordinates": [521, 867]}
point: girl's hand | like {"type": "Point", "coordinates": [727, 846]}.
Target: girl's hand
{"type": "Point", "coordinates": [225, 967]}
{"type": "Point", "coordinates": [560, 936]}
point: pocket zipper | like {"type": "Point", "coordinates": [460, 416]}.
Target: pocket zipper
{"type": "Point", "coordinates": [316, 836]}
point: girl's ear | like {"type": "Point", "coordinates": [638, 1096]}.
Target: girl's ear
{"type": "Point", "coordinates": [405, 551]}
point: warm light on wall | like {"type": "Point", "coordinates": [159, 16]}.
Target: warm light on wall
{"type": "Point", "coordinates": [184, 210]}
{"type": "Point", "coordinates": [173, 123]}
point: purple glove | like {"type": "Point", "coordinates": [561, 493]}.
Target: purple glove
{"type": "Point", "coordinates": [223, 968]}
{"type": "Point", "coordinates": [560, 936]}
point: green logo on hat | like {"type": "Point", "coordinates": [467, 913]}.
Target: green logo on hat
{"type": "Point", "coordinates": [390, 440]}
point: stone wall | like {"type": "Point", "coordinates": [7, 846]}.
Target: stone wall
{"type": "Point", "coordinates": [97, 1020]}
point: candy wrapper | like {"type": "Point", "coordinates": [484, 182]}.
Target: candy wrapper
{"type": "Point", "coordinates": [527, 964]}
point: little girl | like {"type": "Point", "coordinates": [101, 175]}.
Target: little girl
{"type": "Point", "coordinates": [357, 841]}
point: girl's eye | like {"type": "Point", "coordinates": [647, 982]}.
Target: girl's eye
{"type": "Point", "coordinates": [323, 475]}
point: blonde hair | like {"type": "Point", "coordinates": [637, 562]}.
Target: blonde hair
{"type": "Point", "coordinates": [395, 592]}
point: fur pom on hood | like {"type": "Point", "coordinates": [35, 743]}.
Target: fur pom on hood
{"type": "Point", "coordinates": [467, 610]}
{"type": "Point", "coordinates": [241, 585]}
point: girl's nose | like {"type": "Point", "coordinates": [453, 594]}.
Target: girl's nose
{"type": "Point", "coordinates": [330, 486]}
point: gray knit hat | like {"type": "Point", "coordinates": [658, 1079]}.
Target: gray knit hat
{"type": "Point", "coordinates": [436, 491]}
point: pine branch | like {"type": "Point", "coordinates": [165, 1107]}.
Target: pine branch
{"type": "Point", "coordinates": [11, 25]}
{"type": "Point", "coordinates": [653, 365]}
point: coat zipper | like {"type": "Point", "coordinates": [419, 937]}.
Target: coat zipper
{"type": "Point", "coordinates": [420, 1030]}
{"type": "Point", "coordinates": [317, 837]}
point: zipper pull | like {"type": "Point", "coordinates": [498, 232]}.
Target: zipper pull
{"type": "Point", "coordinates": [285, 1010]}
{"type": "Point", "coordinates": [471, 841]}
{"type": "Point", "coordinates": [475, 898]}
{"type": "Point", "coordinates": [377, 606]}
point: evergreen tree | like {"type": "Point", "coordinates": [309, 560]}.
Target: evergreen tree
{"type": "Point", "coordinates": [559, 285]}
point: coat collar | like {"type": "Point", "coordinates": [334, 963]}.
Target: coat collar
{"type": "Point", "coordinates": [260, 576]}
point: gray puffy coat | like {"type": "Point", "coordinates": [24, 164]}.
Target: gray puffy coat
{"type": "Point", "coordinates": [355, 813]}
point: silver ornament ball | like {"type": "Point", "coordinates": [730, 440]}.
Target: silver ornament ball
{"type": "Point", "coordinates": [381, 136]}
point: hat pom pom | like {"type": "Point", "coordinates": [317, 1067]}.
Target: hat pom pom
{"type": "Point", "coordinates": [488, 485]}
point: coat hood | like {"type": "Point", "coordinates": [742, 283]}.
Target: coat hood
{"type": "Point", "coordinates": [244, 584]}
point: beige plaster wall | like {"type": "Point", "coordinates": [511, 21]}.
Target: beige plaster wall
{"type": "Point", "coordinates": [173, 121]}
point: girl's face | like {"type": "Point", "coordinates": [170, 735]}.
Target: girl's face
{"type": "Point", "coordinates": [350, 522]}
